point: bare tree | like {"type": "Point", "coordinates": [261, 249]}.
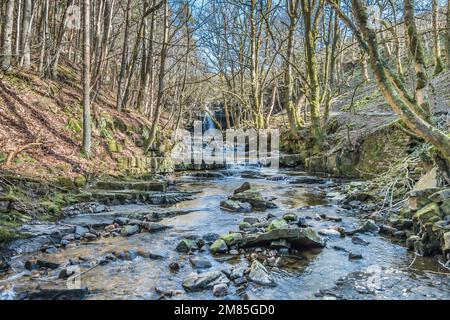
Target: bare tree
{"type": "Point", "coordinates": [26, 34]}
{"type": "Point", "coordinates": [86, 79]}
{"type": "Point", "coordinates": [7, 35]}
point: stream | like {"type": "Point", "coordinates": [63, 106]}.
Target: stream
{"type": "Point", "coordinates": [384, 271]}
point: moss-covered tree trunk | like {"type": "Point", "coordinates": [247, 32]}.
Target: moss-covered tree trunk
{"type": "Point", "coordinates": [293, 113]}
{"type": "Point", "coordinates": [312, 11]}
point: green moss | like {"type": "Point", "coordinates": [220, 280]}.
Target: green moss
{"type": "Point", "coordinates": [6, 234]}
{"type": "Point", "coordinates": [80, 181]}
{"type": "Point", "coordinates": [65, 182]}
{"type": "Point", "coordinates": [74, 125]}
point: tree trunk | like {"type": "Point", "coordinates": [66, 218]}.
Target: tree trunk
{"type": "Point", "coordinates": [26, 34]}
{"type": "Point", "coordinates": [311, 30]}
{"type": "Point", "coordinates": [161, 84]}
{"type": "Point", "coordinates": [295, 124]}
{"type": "Point", "coordinates": [123, 65]}
{"type": "Point", "coordinates": [86, 79]}
{"type": "Point", "coordinates": [438, 64]}
{"type": "Point", "coordinates": [447, 52]}
{"type": "Point", "coordinates": [417, 53]}
{"type": "Point", "coordinates": [7, 35]}
{"type": "Point", "coordinates": [57, 48]}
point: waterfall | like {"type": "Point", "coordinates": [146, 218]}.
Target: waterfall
{"type": "Point", "coordinates": [208, 122]}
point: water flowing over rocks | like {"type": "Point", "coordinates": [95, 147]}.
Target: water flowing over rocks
{"type": "Point", "coordinates": [195, 249]}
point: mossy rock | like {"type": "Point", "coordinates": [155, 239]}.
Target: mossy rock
{"type": "Point", "coordinates": [219, 246]}
{"type": "Point", "coordinates": [290, 217]}
{"type": "Point", "coordinates": [445, 207]}
{"type": "Point", "coordinates": [446, 241]}
{"type": "Point", "coordinates": [244, 225]}
{"type": "Point", "coordinates": [65, 182]}
{"type": "Point", "coordinates": [278, 224]}
{"type": "Point", "coordinates": [232, 239]}
{"type": "Point", "coordinates": [429, 213]}
{"type": "Point", "coordinates": [80, 181]}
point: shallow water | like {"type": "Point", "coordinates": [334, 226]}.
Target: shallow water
{"type": "Point", "coordinates": [383, 267]}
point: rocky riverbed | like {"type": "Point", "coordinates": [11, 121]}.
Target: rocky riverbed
{"type": "Point", "coordinates": [224, 235]}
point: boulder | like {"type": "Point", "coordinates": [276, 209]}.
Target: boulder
{"type": "Point", "coordinates": [219, 246]}
{"type": "Point", "coordinates": [251, 220]}
{"type": "Point", "coordinates": [246, 186]}
{"type": "Point", "coordinates": [244, 225]}
{"type": "Point", "coordinates": [299, 238]}
{"type": "Point", "coordinates": [370, 226]}
{"type": "Point", "coordinates": [446, 240]}
{"type": "Point", "coordinates": [200, 263]}
{"type": "Point", "coordinates": [440, 196]}
{"type": "Point", "coordinates": [235, 206]}
{"type": "Point", "coordinates": [411, 241]}
{"type": "Point", "coordinates": [186, 245]}
{"type": "Point", "coordinates": [259, 275]}
{"type": "Point", "coordinates": [354, 256]}
{"type": "Point", "coordinates": [330, 233]}
{"type": "Point", "coordinates": [445, 207]}
{"type": "Point", "coordinates": [359, 241]}
{"type": "Point", "coordinates": [154, 227]}
{"type": "Point", "coordinates": [237, 273]}
{"type": "Point", "coordinates": [38, 264]}
{"type": "Point", "coordinates": [277, 224]}
{"type": "Point", "coordinates": [254, 197]}
{"type": "Point", "coordinates": [202, 281]}
{"type": "Point", "coordinates": [230, 205]}
{"type": "Point", "coordinates": [388, 230]}
{"type": "Point", "coordinates": [420, 198]}
{"type": "Point", "coordinates": [129, 230]}
{"type": "Point", "coordinates": [290, 217]}
{"type": "Point", "coordinates": [232, 239]}
{"type": "Point", "coordinates": [429, 213]}
{"type": "Point", "coordinates": [211, 237]}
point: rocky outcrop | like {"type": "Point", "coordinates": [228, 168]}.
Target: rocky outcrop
{"type": "Point", "coordinates": [426, 222]}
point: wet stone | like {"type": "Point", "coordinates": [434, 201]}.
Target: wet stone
{"type": "Point", "coordinates": [186, 245]}
{"type": "Point", "coordinates": [354, 256]}
{"type": "Point", "coordinates": [259, 275]}
{"type": "Point", "coordinates": [129, 230]}
{"type": "Point", "coordinates": [202, 281]}
{"type": "Point", "coordinates": [220, 290]}
{"type": "Point", "coordinates": [359, 241]}
{"type": "Point", "coordinates": [200, 263]}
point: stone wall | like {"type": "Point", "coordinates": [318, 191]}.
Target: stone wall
{"type": "Point", "coordinates": [141, 165]}
{"type": "Point", "coordinates": [429, 210]}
